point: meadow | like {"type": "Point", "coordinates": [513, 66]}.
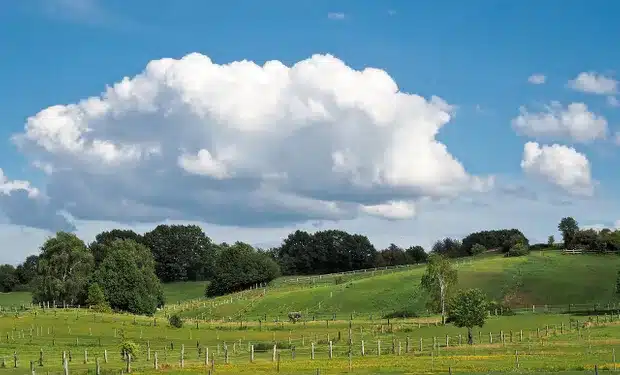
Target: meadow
{"type": "Point", "coordinates": [526, 343]}
{"type": "Point", "coordinates": [565, 320]}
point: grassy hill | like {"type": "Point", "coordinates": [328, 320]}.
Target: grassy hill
{"type": "Point", "coordinates": [538, 279]}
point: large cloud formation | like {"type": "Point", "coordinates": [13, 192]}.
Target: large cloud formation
{"type": "Point", "coordinates": [559, 165]}
{"type": "Point", "coordinates": [244, 144]}
{"type": "Point", "coordinates": [25, 205]}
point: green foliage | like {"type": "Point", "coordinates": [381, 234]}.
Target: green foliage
{"type": "Point", "coordinates": [339, 280]}
{"type": "Point", "coordinates": [519, 249]}
{"type": "Point", "coordinates": [239, 267]}
{"type": "Point", "coordinates": [127, 276]}
{"type": "Point", "coordinates": [95, 295]}
{"type": "Point", "coordinates": [438, 280]}
{"type": "Point", "coordinates": [416, 254]}
{"type": "Point", "coordinates": [181, 252]}
{"type": "Point", "coordinates": [27, 271]}
{"type": "Point", "coordinates": [8, 278]}
{"type": "Point", "coordinates": [294, 316]}
{"type": "Point", "coordinates": [618, 283]}
{"type": "Point", "coordinates": [468, 309]}
{"type": "Point", "coordinates": [551, 241]}
{"type": "Point", "coordinates": [448, 247]}
{"type": "Point", "coordinates": [99, 246]}
{"type": "Point", "coordinates": [478, 249]}
{"type": "Point", "coordinates": [129, 347]}
{"type": "Point", "coordinates": [64, 267]}
{"type": "Point", "coordinates": [326, 251]}
{"type": "Point", "coordinates": [502, 239]}
{"type": "Point", "coordinates": [175, 321]}
{"type": "Point", "coordinates": [568, 227]}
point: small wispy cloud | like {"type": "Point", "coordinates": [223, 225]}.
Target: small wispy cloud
{"type": "Point", "coordinates": [336, 16]}
{"type": "Point", "coordinates": [537, 79]}
{"type": "Point", "coordinates": [391, 12]}
{"type": "Point", "coordinates": [613, 101]}
{"type": "Point", "coordinates": [594, 83]}
{"type": "Point", "coordinates": [89, 12]}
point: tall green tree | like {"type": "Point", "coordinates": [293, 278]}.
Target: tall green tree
{"type": "Point", "coordinates": [102, 239]}
{"type": "Point", "coordinates": [240, 266]}
{"type": "Point", "coordinates": [438, 280]}
{"type": "Point", "coordinates": [64, 267]}
{"type": "Point", "coordinates": [27, 271]}
{"type": "Point", "coordinates": [416, 254]}
{"type": "Point", "coordinates": [551, 241]}
{"type": "Point", "coordinates": [8, 278]}
{"type": "Point", "coordinates": [569, 228]}
{"type": "Point", "coordinates": [181, 252]}
{"type": "Point", "coordinates": [324, 252]}
{"type": "Point", "coordinates": [127, 277]}
{"type": "Point", "coordinates": [468, 309]}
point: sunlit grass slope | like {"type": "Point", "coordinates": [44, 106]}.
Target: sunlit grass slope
{"type": "Point", "coordinates": [548, 278]}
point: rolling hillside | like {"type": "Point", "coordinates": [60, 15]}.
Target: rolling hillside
{"type": "Point", "coordinates": [539, 279]}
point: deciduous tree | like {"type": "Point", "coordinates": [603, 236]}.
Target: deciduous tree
{"type": "Point", "coordinates": [468, 309]}
{"type": "Point", "coordinates": [127, 277]}
{"type": "Point", "coordinates": [64, 267]}
{"type": "Point", "coordinates": [568, 227]}
{"type": "Point", "coordinates": [438, 281]}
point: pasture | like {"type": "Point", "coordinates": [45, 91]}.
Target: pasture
{"type": "Point", "coordinates": [566, 322]}
{"type": "Point", "coordinates": [526, 343]}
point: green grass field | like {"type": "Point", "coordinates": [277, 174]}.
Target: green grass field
{"type": "Point", "coordinates": [539, 279]}
{"type": "Point", "coordinates": [542, 341]}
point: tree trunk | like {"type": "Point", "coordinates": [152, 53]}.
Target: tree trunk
{"type": "Point", "coordinates": [470, 336]}
{"type": "Point", "coordinates": [442, 291]}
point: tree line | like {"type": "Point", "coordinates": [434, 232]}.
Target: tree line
{"type": "Point", "coordinates": [66, 267]}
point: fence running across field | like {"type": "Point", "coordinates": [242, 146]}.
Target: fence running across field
{"type": "Point", "coordinates": [79, 349]}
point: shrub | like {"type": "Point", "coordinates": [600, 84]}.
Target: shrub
{"type": "Point", "coordinates": [95, 295]}
{"type": "Point", "coordinates": [102, 308]}
{"type": "Point", "coordinates": [478, 249]}
{"type": "Point", "coordinates": [175, 321]}
{"type": "Point", "coordinates": [338, 280]}
{"type": "Point", "coordinates": [518, 250]}
{"type": "Point", "coordinates": [129, 347]}
{"type": "Point", "coordinates": [294, 317]}
{"type": "Point", "coordinates": [401, 314]}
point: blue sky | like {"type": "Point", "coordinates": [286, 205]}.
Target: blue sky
{"type": "Point", "coordinates": [477, 56]}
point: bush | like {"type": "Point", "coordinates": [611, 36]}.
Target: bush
{"type": "Point", "coordinates": [338, 280]}
{"type": "Point", "coordinates": [518, 250]}
{"type": "Point", "coordinates": [102, 308]}
{"type": "Point", "coordinates": [294, 317]}
{"type": "Point", "coordinates": [477, 249]}
{"type": "Point", "coordinates": [129, 347]}
{"type": "Point", "coordinates": [239, 267]}
{"type": "Point", "coordinates": [175, 321]}
{"type": "Point", "coordinates": [401, 314]}
{"type": "Point", "coordinates": [95, 295]}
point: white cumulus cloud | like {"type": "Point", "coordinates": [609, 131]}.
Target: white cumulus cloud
{"type": "Point", "coordinates": [594, 83]}
{"type": "Point", "coordinates": [559, 165]}
{"type": "Point", "coordinates": [537, 79]}
{"type": "Point", "coordinates": [574, 122]}
{"type": "Point", "coordinates": [246, 144]}
{"type": "Point", "coordinates": [395, 210]}
{"type": "Point", "coordinates": [23, 204]}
